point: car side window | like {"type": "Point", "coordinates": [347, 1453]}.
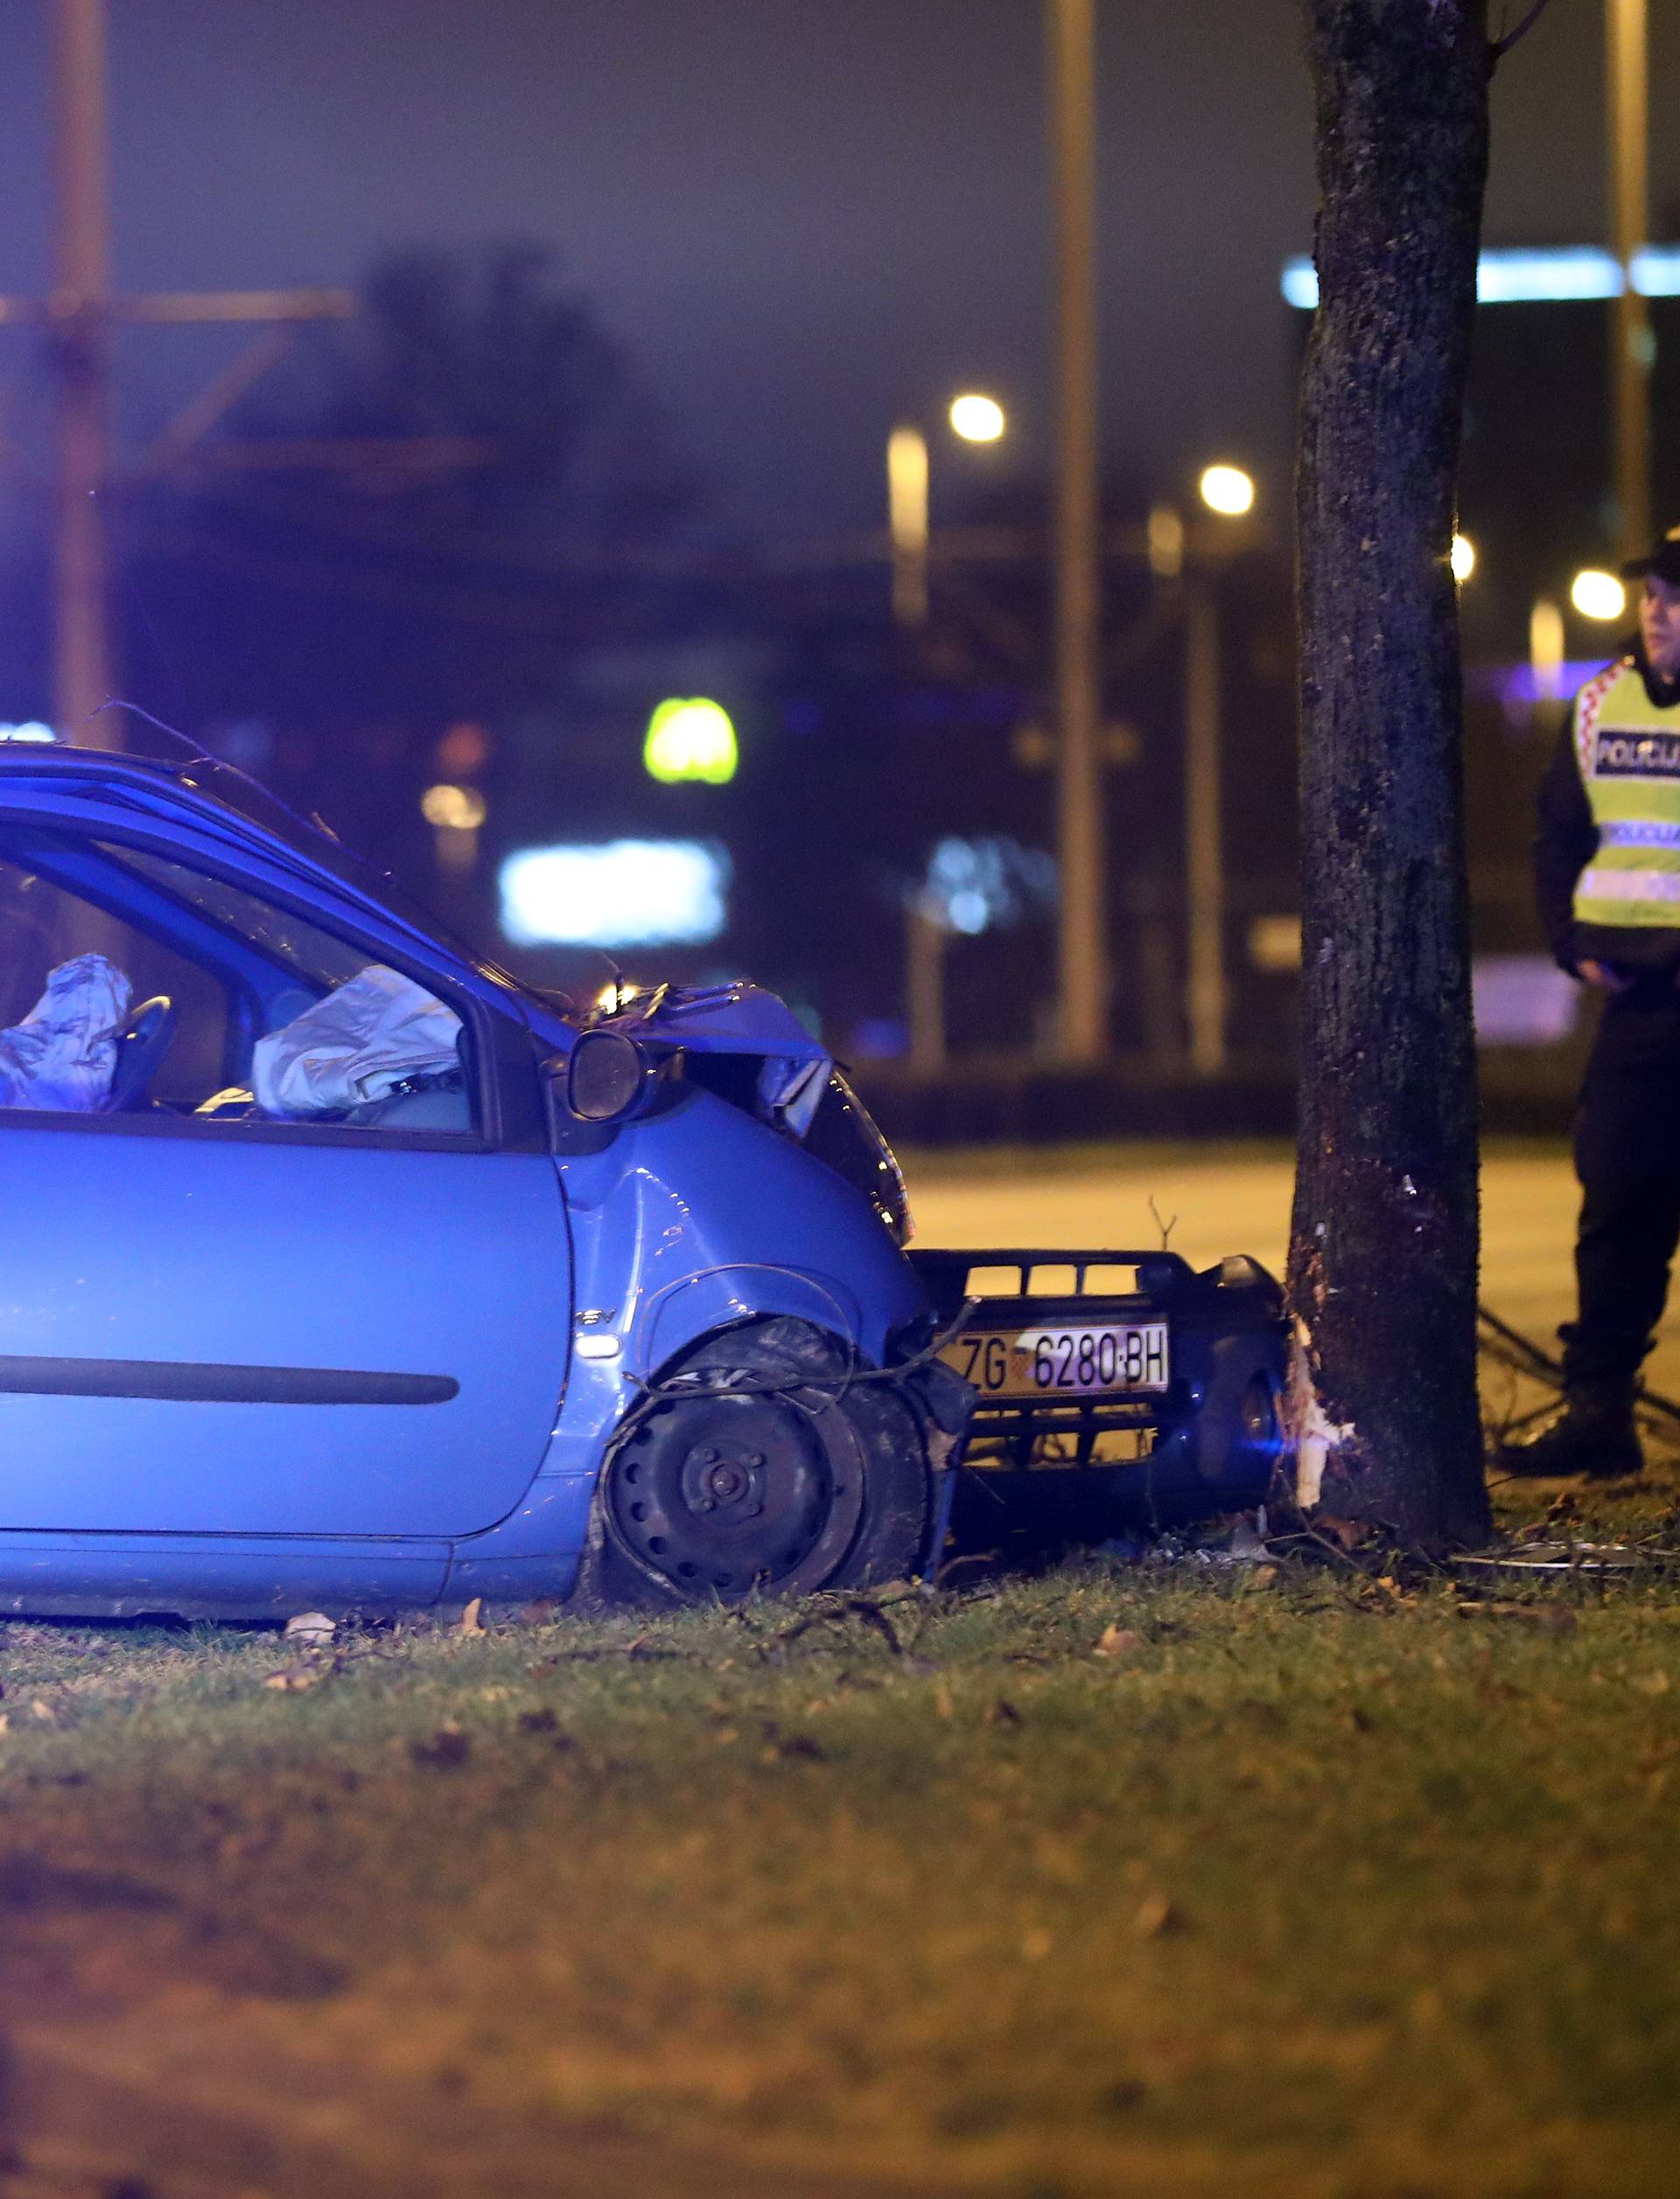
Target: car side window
{"type": "Point", "coordinates": [60, 1034]}
{"type": "Point", "coordinates": [335, 1038]}
{"type": "Point", "coordinates": [131, 983]}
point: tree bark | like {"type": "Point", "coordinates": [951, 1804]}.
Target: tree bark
{"type": "Point", "coordinates": [1383, 1245]}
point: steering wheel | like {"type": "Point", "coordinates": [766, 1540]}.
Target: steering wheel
{"type": "Point", "coordinates": [143, 1039]}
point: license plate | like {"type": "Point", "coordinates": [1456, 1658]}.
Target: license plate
{"type": "Point", "coordinates": [1062, 1361]}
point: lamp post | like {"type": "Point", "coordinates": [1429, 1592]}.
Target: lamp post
{"type": "Point", "coordinates": [1229, 492]}
{"type": "Point", "coordinates": [81, 258]}
{"type": "Point", "coordinates": [973, 418]}
{"type": "Point", "coordinates": [1082, 959]}
{"type": "Point", "coordinates": [1626, 85]}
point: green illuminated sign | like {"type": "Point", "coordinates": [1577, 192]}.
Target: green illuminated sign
{"type": "Point", "coordinates": [691, 738]}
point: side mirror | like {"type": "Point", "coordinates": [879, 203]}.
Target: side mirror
{"type": "Point", "coordinates": [605, 1076]}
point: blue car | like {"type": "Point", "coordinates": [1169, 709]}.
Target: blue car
{"type": "Point", "coordinates": [340, 1269]}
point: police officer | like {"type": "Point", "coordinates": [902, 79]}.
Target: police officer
{"type": "Point", "coordinates": [1607, 875]}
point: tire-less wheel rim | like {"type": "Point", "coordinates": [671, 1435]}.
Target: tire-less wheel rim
{"type": "Point", "coordinates": [717, 1495]}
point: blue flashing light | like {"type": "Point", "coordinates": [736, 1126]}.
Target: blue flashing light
{"type": "Point", "coordinates": [1569, 274]}
{"type": "Point", "coordinates": [1518, 684]}
{"type": "Point", "coordinates": [1300, 283]}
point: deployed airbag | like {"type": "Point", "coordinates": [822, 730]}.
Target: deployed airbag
{"type": "Point", "coordinates": [63, 1054]}
{"type": "Point", "coordinates": [379, 1031]}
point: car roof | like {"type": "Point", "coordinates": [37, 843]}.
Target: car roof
{"type": "Point", "coordinates": [196, 781]}
{"type": "Point", "coordinates": [203, 787]}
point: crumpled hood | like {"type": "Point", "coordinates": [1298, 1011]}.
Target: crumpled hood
{"type": "Point", "coordinates": [733, 1019]}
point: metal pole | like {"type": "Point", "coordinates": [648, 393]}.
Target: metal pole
{"type": "Point", "coordinates": [906, 519]}
{"type": "Point", "coordinates": [1204, 851]}
{"type": "Point", "coordinates": [924, 970]}
{"type": "Point", "coordinates": [1626, 84]}
{"type": "Point", "coordinates": [1083, 957]}
{"type": "Point", "coordinates": [81, 671]}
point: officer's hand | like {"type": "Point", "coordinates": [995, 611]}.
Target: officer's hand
{"type": "Point", "coordinates": [1602, 977]}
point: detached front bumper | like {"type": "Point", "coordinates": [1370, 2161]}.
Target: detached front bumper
{"type": "Point", "coordinates": [1089, 1363]}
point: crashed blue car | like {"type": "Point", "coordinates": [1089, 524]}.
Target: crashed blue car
{"type": "Point", "coordinates": [340, 1269]}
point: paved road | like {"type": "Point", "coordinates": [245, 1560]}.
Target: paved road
{"type": "Point", "coordinates": [1235, 1199]}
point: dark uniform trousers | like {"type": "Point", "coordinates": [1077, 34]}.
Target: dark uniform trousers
{"type": "Point", "coordinates": [1628, 1156]}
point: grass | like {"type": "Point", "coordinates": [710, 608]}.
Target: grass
{"type": "Point", "coordinates": [1172, 1879]}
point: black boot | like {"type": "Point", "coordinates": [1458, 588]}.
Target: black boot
{"type": "Point", "coordinates": [1593, 1434]}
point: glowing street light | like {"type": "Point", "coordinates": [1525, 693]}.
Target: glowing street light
{"type": "Point", "coordinates": [1463, 559]}
{"type": "Point", "coordinates": [455, 814]}
{"type": "Point", "coordinates": [455, 808]}
{"type": "Point", "coordinates": [1227, 490]}
{"type": "Point", "coordinates": [1597, 595]}
{"type": "Point", "coordinates": [976, 419]}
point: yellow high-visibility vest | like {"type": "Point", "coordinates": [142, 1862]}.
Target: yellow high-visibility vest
{"type": "Point", "coordinates": [1629, 751]}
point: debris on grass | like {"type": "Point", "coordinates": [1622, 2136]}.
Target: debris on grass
{"type": "Point", "coordinates": [310, 1627]}
{"type": "Point", "coordinates": [1554, 1556]}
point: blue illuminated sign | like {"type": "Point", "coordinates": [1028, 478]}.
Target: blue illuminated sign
{"type": "Point", "coordinates": [615, 894]}
{"type": "Point", "coordinates": [1571, 273]}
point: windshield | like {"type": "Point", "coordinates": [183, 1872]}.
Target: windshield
{"type": "Point", "coordinates": [319, 845]}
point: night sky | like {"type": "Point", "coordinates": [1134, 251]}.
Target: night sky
{"type": "Point", "coordinates": [804, 219]}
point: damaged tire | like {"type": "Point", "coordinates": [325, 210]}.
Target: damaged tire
{"type": "Point", "coordinates": [790, 1480]}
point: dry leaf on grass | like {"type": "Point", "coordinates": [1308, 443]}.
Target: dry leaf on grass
{"type": "Point", "coordinates": [1117, 1641]}
{"type": "Point", "coordinates": [1157, 1917]}
{"type": "Point", "coordinates": [471, 1622]}
{"type": "Point", "coordinates": [292, 1679]}
{"type": "Point", "coordinates": [1554, 1618]}
{"type": "Point", "coordinates": [791, 1745]}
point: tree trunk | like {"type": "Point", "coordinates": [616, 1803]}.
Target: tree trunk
{"type": "Point", "coordinates": [1383, 1245]}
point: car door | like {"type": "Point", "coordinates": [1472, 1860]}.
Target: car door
{"type": "Point", "coordinates": [233, 1324]}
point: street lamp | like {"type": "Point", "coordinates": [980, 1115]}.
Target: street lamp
{"type": "Point", "coordinates": [1462, 558]}
{"type": "Point", "coordinates": [1597, 595]}
{"type": "Point", "coordinates": [976, 419]}
{"type": "Point", "coordinates": [1227, 490]}
{"type": "Point", "coordinates": [455, 814]}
